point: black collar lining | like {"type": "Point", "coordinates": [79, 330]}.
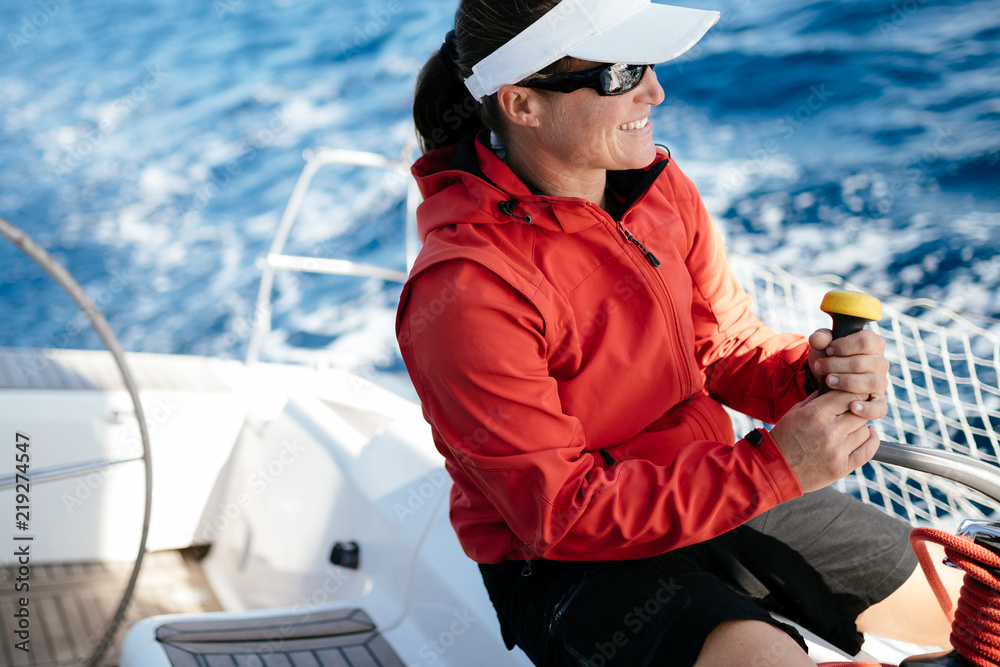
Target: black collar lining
{"type": "Point", "coordinates": [634, 182]}
{"type": "Point", "coordinates": [630, 183]}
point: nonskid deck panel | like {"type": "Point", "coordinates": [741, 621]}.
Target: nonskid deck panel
{"type": "Point", "coordinates": [338, 638]}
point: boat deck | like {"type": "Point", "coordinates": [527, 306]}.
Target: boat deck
{"type": "Point", "coordinates": [85, 370]}
{"type": "Point", "coordinates": [71, 603]}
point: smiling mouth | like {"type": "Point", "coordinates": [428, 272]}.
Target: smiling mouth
{"type": "Point", "coordinates": [634, 125]}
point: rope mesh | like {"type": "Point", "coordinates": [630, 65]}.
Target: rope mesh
{"type": "Point", "coordinates": [944, 390]}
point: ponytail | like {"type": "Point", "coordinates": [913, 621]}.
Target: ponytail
{"type": "Point", "coordinates": [443, 108]}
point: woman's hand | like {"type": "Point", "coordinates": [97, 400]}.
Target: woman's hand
{"type": "Point", "coordinates": [826, 436]}
{"type": "Point", "coordinates": [855, 364]}
{"type": "Point", "coordinates": [823, 438]}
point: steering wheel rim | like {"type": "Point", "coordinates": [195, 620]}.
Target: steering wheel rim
{"type": "Point", "coordinates": [107, 336]}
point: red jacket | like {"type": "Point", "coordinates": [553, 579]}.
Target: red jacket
{"type": "Point", "coordinates": [573, 387]}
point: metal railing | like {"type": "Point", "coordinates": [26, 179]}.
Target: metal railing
{"type": "Point", "coordinates": [940, 438]}
{"type": "Point", "coordinates": [275, 260]}
{"type": "Point", "coordinates": [64, 471]}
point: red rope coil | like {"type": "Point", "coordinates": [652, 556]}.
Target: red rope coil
{"type": "Point", "coordinates": [975, 620]}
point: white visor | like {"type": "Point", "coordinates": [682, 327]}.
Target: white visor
{"type": "Point", "coordinates": [637, 32]}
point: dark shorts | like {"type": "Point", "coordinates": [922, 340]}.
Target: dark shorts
{"type": "Point", "coordinates": [819, 560]}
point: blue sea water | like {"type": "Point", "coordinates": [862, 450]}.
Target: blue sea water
{"type": "Point", "coordinates": [859, 138]}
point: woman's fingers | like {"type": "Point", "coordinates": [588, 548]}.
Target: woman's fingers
{"type": "Point", "coordinates": [872, 409]}
{"type": "Point", "coordinates": [854, 364]}
{"type": "Point", "coordinates": [862, 342]}
{"type": "Point", "coordinates": [866, 450]}
{"type": "Point", "coordinates": [859, 382]}
{"type": "Point", "coordinates": [823, 439]}
{"type": "Point", "coordinates": [821, 339]}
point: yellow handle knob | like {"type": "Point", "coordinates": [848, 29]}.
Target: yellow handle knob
{"type": "Point", "coordinates": [850, 311]}
{"type": "Point", "coordinates": [852, 304]}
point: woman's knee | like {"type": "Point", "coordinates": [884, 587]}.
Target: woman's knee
{"type": "Point", "coordinates": [750, 643]}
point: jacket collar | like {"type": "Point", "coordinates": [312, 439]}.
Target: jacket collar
{"type": "Point", "coordinates": [488, 183]}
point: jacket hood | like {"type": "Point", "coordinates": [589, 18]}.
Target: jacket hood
{"type": "Point", "coordinates": [467, 182]}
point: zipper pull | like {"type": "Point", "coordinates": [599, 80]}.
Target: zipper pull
{"type": "Point", "coordinates": [507, 208]}
{"type": "Point", "coordinates": [649, 256]}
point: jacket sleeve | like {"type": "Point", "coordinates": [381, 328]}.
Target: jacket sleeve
{"type": "Point", "coordinates": [476, 351]}
{"type": "Point", "coordinates": [746, 365]}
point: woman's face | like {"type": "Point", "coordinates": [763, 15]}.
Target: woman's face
{"type": "Point", "coordinates": [593, 132]}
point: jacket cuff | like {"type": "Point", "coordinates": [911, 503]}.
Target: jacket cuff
{"type": "Point", "coordinates": [784, 483]}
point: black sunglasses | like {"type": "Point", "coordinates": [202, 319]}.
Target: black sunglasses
{"type": "Point", "coordinates": [615, 79]}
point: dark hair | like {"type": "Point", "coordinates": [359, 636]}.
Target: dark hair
{"type": "Point", "coordinates": [443, 108]}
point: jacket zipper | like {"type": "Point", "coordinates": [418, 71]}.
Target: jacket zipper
{"type": "Point", "coordinates": [507, 208]}
{"type": "Point", "coordinates": [655, 263]}
{"type": "Point", "coordinates": [650, 257]}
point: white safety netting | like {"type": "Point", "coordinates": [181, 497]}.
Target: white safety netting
{"type": "Point", "coordinates": [943, 392]}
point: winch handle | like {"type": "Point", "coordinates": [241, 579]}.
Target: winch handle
{"type": "Point", "coordinates": [850, 312]}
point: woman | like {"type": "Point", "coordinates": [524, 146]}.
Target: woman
{"type": "Point", "coordinates": [573, 330]}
